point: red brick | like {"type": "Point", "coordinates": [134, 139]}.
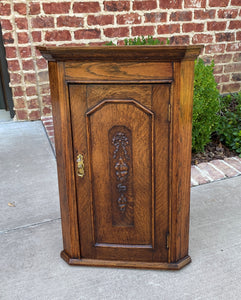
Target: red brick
{"type": "Point", "coordinates": [231, 88]}
{"type": "Point", "coordinates": [215, 48]}
{"type": "Point", "coordinates": [230, 68]}
{"type": "Point", "coordinates": [15, 78]}
{"type": "Point", "coordinates": [34, 115]}
{"type": "Point", "coordinates": [23, 38]}
{"type": "Point", "coordinates": [46, 100]}
{"type": "Point", "coordinates": [100, 20]}
{"type": "Point", "coordinates": [28, 65]}
{"type": "Point", "coordinates": [222, 58]}
{"type": "Point", "coordinates": [116, 32]}
{"type": "Point", "coordinates": [8, 38]}
{"type": "Point", "coordinates": [47, 111]}
{"type": "Point", "coordinates": [20, 8]}
{"type": "Point", "coordinates": [235, 2]}
{"type": "Point", "coordinates": [44, 89]}
{"type": "Point", "coordinates": [34, 8]}
{"type": "Point", "coordinates": [43, 22]}
{"type": "Point", "coordinates": [224, 168]}
{"type": "Point", "coordinates": [202, 39]}
{"type": "Point", "coordinates": [180, 40]}
{"type": "Point", "coordinates": [22, 23]}
{"type": "Point", "coordinates": [32, 104]}
{"type": "Point", "coordinates": [181, 16]}
{"type": "Point", "coordinates": [37, 36]}
{"type": "Point", "coordinates": [126, 19]}
{"type": "Point", "coordinates": [203, 15]}
{"type": "Point", "coordinates": [236, 76]}
{"type": "Point", "coordinates": [6, 24]}
{"type": "Point", "coordinates": [17, 91]}
{"type": "Point", "coordinates": [196, 27]}
{"type": "Point", "coordinates": [168, 29]}
{"type": "Point", "coordinates": [197, 176]}
{"type": "Point", "coordinates": [227, 13]}
{"type": "Point", "coordinates": [216, 26]}
{"type": "Point", "coordinates": [30, 78]}
{"type": "Point", "coordinates": [195, 3]}
{"type": "Point", "coordinates": [144, 5]}
{"type": "Point", "coordinates": [218, 3]}
{"type": "Point", "coordinates": [25, 51]}
{"type": "Point", "coordinates": [238, 35]}
{"type": "Point", "coordinates": [31, 91]}
{"type": "Point", "coordinates": [86, 7]}
{"type": "Point", "coordinates": [212, 173]}
{"type": "Point", "coordinates": [56, 8]}
{"type": "Point", "coordinates": [224, 37]}
{"type": "Point", "coordinates": [68, 21]}
{"type": "Point", "coordinates": [233, 162]}
{"type": "Point", "coordinates": [61, 35]}
{"type": "Point", "coordinates": [87, 34]}
{"type": "Point", "coordinates": [233, 47]}
{"type": "Point", "coordinates": [222, 78]}
{"type": "Point", "coordinates": [21, 115]}
{"type": "Point", "coordinates": [170, 4]}
{"type": "Point", "coordinates": [235, 25]}
{"type": "Point", "coordinates": [13, 65]}
{"type": "Point", "coordinates": [142, 30]}
{"type": "Point", "coordinates": [42, 63]}
{"type": "Point", "coordinates": [237, 57]}
{"type": "Point", "coordinates": [11, 52]}
{"type": "Point", "coordinates": [218, 69]}
{"type": "Point", "coordinates": [5, 9]}
{"type": "Point", "coordinates": [156, 17]}
{"type": "Point", "coordinates": [19, 103]}
{"type": "Point", "coordinates": [116, 5]}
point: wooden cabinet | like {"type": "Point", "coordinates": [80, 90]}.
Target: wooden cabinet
{"type": "Point", "coordinates": [123, 118]}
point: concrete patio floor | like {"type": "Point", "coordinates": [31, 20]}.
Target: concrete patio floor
{"type": "Point", "coordinates": [30, 236]}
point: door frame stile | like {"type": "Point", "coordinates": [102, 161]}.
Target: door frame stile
{"type": "Point", "coordinates": [65, 163]}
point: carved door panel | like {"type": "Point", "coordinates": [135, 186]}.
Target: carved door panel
{"type": "Point", "coordinates": [122, 132]}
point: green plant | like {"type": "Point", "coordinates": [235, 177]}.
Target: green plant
{"type": "Point", "coordinates": [149, 40]}
{"type": "Point", "coordinates": [229, 127]}
{"type": "Point", "coordinates": [205, 105]}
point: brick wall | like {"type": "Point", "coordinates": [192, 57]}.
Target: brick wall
{"type": "Point", "coordinates": [26, 24]}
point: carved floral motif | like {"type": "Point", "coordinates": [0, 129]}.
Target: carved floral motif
{"type": "Point", "coordinates": [120, 141]}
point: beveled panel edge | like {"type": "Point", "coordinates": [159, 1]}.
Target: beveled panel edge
{"type": "Point", "coordinates": [121, 53]}
{"type": "Point", "coordinates": [114, 101]}
{"type": "Point", "coordinates": [126, 264]}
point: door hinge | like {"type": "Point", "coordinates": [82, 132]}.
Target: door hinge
{"type": "Point", "coordinates": [169, 112]}
{"type": "Point", "coordinates": [168, 240]}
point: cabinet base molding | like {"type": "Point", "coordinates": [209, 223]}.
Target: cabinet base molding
{"type": "Point", "coordinates": [126, 264]}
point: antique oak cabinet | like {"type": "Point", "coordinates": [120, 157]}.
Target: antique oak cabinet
{"type": "Point", "coordinates": [123, 121]}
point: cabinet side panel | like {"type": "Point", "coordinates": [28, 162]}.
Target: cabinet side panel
{"type": "Point", "coordinates": [185, 153]}
{"type": "Point", "coordinates": [64, 155]}
{"type": "Point", "coordinates": [181, 164]}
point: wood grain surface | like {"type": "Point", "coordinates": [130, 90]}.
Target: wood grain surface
{"type": "Point", "coordinates": [128, 113]}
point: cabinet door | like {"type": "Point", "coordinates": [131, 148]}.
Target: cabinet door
{"type": "Point", "coordinates": [122, 133]}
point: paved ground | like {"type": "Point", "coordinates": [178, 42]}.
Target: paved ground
{"type": "Point", "coordinates": [30, 236]}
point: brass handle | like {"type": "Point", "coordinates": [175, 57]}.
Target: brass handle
{"type": "Point", "coordinates": [80, 166]}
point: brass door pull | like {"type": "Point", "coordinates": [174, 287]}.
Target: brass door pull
{"type": "Point", "coordinates": [80, 166]}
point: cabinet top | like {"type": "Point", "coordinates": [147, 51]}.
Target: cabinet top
{"type": "Point", "coordinates": [121, 53]}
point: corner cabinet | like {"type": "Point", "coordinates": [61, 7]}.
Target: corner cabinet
{"type": "Point", "coordinates": [123, 122]}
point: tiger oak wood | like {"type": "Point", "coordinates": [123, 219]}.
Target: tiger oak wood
{"type": "Point", "coordinates": [128, 112]}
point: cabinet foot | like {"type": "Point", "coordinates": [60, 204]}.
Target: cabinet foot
{"type": "Point", "coordinates": [126, 264]}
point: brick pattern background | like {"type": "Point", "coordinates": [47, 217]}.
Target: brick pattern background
{"type": "Point", "coordinates": [27, 24]}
